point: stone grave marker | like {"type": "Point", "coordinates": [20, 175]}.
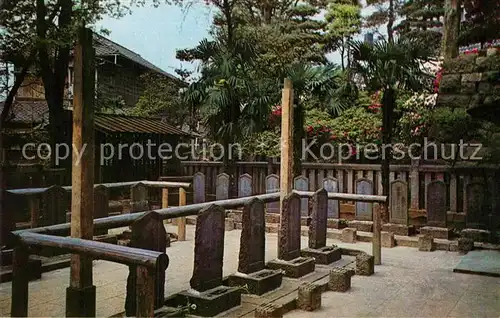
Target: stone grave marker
{"type": "Point", "coordinates": [198, 187]}
{"type": "Point", "coordinates": [436, 204]}
{"type": "Point", "coordinates": [252, 239]}
{"type": "Point", "coordinates": [245, 186]}
{"type": "Point", "coordinates": [208, 249]}
{"type": "Point", "coordinates": [101, 206]}
{"type": "Point", "coordinates": [222, 187]}
{"type": "Point", "coordinates": [272, 186]}
{"type": "Point", "coordinates": [55, 203]}
{"type": "Point", "coordinates": [364, 209]}
{"type": "Point", "coordinates": [476, 211]}
{"type": "Point", "coordinates": [139, 198]}
{"type": "Point", "coordinates": [289, 231]}
{"type": "Point", "coordinates": [148, 232]}
{"type": "Point", "coordinates": [399, 202]}
{"type": "Point", "coordinates": [300, 183]}
{"type": "Point", "coordinates": [331, 185]}
{"type": "Point", "coordinates": [317, 227]}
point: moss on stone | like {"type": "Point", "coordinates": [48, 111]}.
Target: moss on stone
{"type": "Point", "coordinates": [468, 88]}
{"type": "Point", "coordinates": [491, 76]}
{"type": "Point", "coordinates": [488, 63]}
{"type": "Point", "coordinates": [461, 64]}
{"type": "Point", "coordinates": [450, 83]}
{"type": "Point", "coordinates": [453, 100]}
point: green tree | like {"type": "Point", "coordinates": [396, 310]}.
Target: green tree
{"type": "Point", "coordinates": [386, 12]}
{"type": "Point", "coordinates": [390, 67]}
{"type": "Point", "coordinates": [344, 21]}
{"type": "Point", "coordinates": [162, 97]}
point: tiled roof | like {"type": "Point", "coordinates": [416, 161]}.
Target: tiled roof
{"type": "Point", "coordinates": [28, 111]}
{"type": "Point", "coordinates": [106, 47]}
{"type": "Point", "coordinates": [36, 111]}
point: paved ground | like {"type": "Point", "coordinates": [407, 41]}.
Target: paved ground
{"type": "Point", "coordinates": [409, 284]}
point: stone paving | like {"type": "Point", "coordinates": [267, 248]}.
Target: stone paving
{"type": "Point", "coordinates": [408, 284]}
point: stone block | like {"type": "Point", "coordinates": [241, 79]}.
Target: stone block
{"type": "Point", "coordinates": [426, 243]}
{"type": "Point", "coordinates": [269, 311]}
{"type": "Point", "coordinates": [339, 280]}
{"type": "Point", "coordinates": [387, 239]}
{"type": "Point", "coordinates": [349, 235]}
{"type": "Point", "coordinates": [258, 283]}
{"type": "Point", "coordinates": [465, 245]}
{"type": "Point", "coordinates": [336, 223]}
{"type": "Point", "coordinates": [209, 303]}
{"type": "Point", "coordinates": [362, 226]}
{"type": "Point", "coordinates": [468, 88]}
{"type": "Point", "coordinates": [476, 235]}
{"type": "Point", "coordinates": [294, 268]}
{"type": "Point", "coordinates": [491, 76]}
{"type": "Point", "coordinates": [471, 77]}
{"type": "Point", "coordinates": [453, 100]}
{"type": "Point", "coordinates": [492, 51]}
{"type": "Point", "coordinates": [236, 216]}
{"type": "Point", "coordinates": [450, 83]}
{"type": "Point", "coordinates": [436, 232]}
{"type": "Point", "coordinates": [488, 63]}
{"type": "Point", "coordinates": [365, 264]}
{"type": "Point", "coordinates": [229, 224]}
{"type": "Point", "coordinates": [399, 229]}
{"type": "Point", "coordinates": [324, 255]}
{"type": "Point", "coordinates": [462, 64]}
{"type": "Point", "coordinates": [484, 88]}
{"type": "Point", "coordinates": [309, 297]}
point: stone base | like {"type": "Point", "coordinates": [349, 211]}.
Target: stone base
{"type": "Point", "coordinates": [426, 243]}
{"type": "Point", "coordinates": [339, 280]}
{"type": "Point", "coordinates": [269, 310]}
{"type": "Point", "coordinates": [362, 226]}
{"type": "Point", "coordinates": [365, 264]}
{"type": "Point", "coordinates": [399, 229]}
{"type": "Point", "coordinates": [208, 303]}
{"type": "Point", "coordinates": [258, 283]}
{"type": "Point", "coordinates": [349, 235]}
{"type": "Point", "coordinates": [465, 245]}
{"type": "Point", "coordinates": [476, 235]}
{"type": "Point", "coordinates": [336, 223]}
{"type": "Point", "coordinates": [387, 239]}
{"type": "Point", "coordinates": [324, 255]}
{"type": "Point", "coordinates": [294, 268]}
{"type": "Point", "coordinates": [80, 302]}
{"type": "Point", "coordinates": [309, 297]}
{"type": "Point", "coordinates": [436, 232]}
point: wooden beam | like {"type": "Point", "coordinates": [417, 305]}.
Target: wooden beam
{"type": "Point", "coordinates": [79, 298]}
{"type": "Point", "coordinates": [181, 222]}
{"type": "Point", "coordinates": [286, 167]}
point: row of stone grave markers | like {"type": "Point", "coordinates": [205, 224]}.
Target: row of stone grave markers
{"type": "Point", "coordinates": [207, 290]}
{"type": "Point", "coordinates": [477, 213]}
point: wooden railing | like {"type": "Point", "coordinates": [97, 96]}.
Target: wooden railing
{"type": "Point", "coordinates": [147, 263]}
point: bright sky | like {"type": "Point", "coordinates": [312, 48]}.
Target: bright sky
{"type": "Point", "coordinates": [156, 33]}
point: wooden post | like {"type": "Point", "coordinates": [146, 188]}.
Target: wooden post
{"type": "Point", "coordinates": [376, 240]}
{"type": "Point", "coordinates": [181, 222]}
{"type": "Point", "coordinates": [34, 208]}
{"type": "Point", "coordinates": [164, 202]}
{"type": "Point", "coordinates": [452, 15]}
{"type": "Point", "coordinates": [286, 168]}
{"type": "Point", "coordinates": [145, 296]}
{"type": "Point", "coordinates": [20, 281]}
{"type": "Point", "coordinates": [414, 185]}
{"type": "Point", "coordinates": [80, 295]}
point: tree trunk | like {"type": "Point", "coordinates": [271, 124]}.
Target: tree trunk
{"type": "Point", "coordinates": [388, 104]}
{"type": "Point", "coordinates": [390, 22]}
{"type": "Point", "coordinates": [451, 28]}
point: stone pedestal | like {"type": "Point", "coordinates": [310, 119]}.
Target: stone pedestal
{"type": "Point", "coordinates": [339, 280]}
{"type": "Point", "coordinates": [476, 235]}
{"type": "Point", "coordinates": [336, 223]}
{"type": "Point", "coordinates": [294, 268]}
{"type": "Point", "coordinates": [399, 229]}
{"type": "Point", "coordinates": [465, 245]}
{"type": "Point", "coordinates": [349, 235]}
{"type": "Point", "coordinates": [363, 226]}
{"type": "Point", "coordinates": [80, 302]}
{"type": "Point", "coordinates": [269, 311]}
{"type": "Point", "coordinates": [387, 239]}
{"type": "Point", "coordinates": [436, 232]}
{"type": "Point", "coordinates": [210, 302]}
{"type": "Point", "coordinates": [365, 264]}
{"type": "Point", "coordinates": [258, 283]}
{"type": "Point", "coordinates": [309, 297]}
{"type": "Point", "coordinates": [426, 243]}
{"type": "Point", "coordinates": [324, 255]}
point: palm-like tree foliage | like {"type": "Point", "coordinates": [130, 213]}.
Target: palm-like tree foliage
{"type": "Point", "coordinates": [389, 67]}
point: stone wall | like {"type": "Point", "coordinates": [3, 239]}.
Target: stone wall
{"type": "Point", "coordinates": [472, 81]}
